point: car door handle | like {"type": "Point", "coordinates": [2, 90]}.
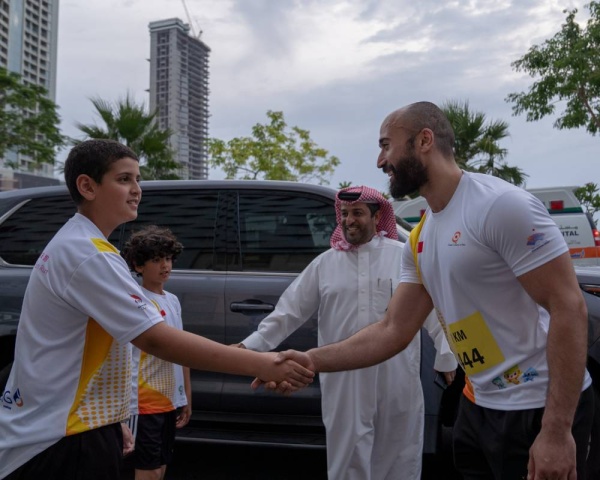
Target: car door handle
{"type": "Point", "coordinates": [251, 307]}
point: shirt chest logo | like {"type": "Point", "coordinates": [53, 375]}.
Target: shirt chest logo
{"type": "Point", "coordinates": [455, 240]}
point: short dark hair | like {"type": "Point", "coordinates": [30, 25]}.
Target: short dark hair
{"type": "Point", "coordinates": [422, 115]}
{"type": "Point", "coordinates": [94, 158]}
{"type": "Point", "coordinates": [150, 242]}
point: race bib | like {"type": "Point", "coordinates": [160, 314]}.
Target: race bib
{"type": "Point", "coordinates": [474, 345]}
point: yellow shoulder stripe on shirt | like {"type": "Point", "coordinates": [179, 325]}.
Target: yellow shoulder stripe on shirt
{"type": "Point", "coordinates": [156, 305]}
{"type": "Point", "coordinates": [413, 239]}
{"type": "Point", "coordinates": [104, 246]}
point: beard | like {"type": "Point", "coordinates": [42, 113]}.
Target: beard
{"type": "Point", "coordinates": [358, 237]}
{"type": "Point", "coordinates": [408, 177]}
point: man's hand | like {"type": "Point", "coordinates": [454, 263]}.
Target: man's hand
{"type": "Point", "coordinates": [552, 456]}
{"type": "Point", "coordinates": [303, 358]}
{"type": "Point", "coordinates": [128, 440]}
{"type": "Point", "coordinates": [449, 376]}
{"type": "Point", "coordinates": [287, 387]}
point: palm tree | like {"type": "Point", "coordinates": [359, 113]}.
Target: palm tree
{"type": "Point", "coordinates": [128, 123]}
{"type": "Point", "coordinates": [477, 147]}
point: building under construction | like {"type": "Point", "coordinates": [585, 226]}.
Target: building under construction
{"type": "Point", "coordinates": [179, 92]}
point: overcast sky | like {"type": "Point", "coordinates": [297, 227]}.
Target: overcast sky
{"type": "Point", "coordinates": [335, 68]}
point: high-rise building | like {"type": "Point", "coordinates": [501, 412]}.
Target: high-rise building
{"type": "Point", "coordinates": [179, 92]}
{"type": "Point", "coordinates": [28, 46]}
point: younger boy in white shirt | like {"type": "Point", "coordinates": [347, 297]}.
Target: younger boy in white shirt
{"type": "Point", "coordinates": [161, 391]}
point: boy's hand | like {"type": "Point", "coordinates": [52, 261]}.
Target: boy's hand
{"type": "Point", "coordinates": [128, 440]}
{"type": "Point", "coordinates": [183, 416]}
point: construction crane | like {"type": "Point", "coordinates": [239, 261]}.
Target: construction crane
{"type": "Point", "coordinates": [187, 13]}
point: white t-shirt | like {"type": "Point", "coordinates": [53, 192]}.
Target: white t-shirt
{"type": "Point", "coordinates": [72, 367]}
{"type": "Point", "coordinates": [157, 385]}
{"type": "Point", "coordinates": [470, 255]}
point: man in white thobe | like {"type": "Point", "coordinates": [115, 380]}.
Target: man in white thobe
{"type": "Point", "coordinates": [374, 416]}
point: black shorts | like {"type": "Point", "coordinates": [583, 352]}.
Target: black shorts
{"type": "Point", "coordinates": [494, 444]}
{"type": "Point", "coordinates": [93, 455]}
{"type": "Point", "coordinates": [154, 440]}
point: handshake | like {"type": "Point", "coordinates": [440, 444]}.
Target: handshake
{"type": "Point", "coordinates": [293, 370]}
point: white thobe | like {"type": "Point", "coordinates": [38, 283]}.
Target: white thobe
{"type": "Point", "coordinates": [373, 416]}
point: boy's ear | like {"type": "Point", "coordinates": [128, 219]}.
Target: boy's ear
{"type": "Point", "coordinates": [139, 269]}
{"type": "Point", "coordinates": [86, 186]}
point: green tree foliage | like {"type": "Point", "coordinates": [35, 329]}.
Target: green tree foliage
{"type": "Point", "coordinates": [273, 152]}
{"type": "Point", "coordinates": [29, 122]}
{"type": "Point", "coordinates": [567, 75]}
{"type": "Point", "coordinates": [129, 123]}
{"type": "Point", "coordinates": [344, 184]}
{"type": "Point", "coordinates": [477, 143]}
{"type": "Point", "coordinates": [589, 197]}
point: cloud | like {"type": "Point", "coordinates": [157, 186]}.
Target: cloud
{"type": "Point", "coordinates": [335, 68]}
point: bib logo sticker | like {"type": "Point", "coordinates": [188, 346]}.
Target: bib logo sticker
{"type": "Point", "coordinates": [515, 376]}
{"type": "Point", "coordinates": [512, 375]}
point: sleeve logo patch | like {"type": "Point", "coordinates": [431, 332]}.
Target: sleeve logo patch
{"type": "Point", "coordinates": [536, 240]}
{"type": "Point", "coordinates": [138, 301]}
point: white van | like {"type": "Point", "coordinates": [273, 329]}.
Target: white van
{"type": "Point", "coordinates": [576, 225]}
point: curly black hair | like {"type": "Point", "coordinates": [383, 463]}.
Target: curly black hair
{"type": "Point", "coordinates": [148, 243]}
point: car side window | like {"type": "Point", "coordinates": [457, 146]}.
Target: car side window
{"type": "Point", "coordinates": [280, 232]}
{"type": "Point", "coordinates": [190, 214]}
{"type": "Point", "coordinates": [28, 230]}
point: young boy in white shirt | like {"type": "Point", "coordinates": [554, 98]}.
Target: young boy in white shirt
{"type": "Point", "coordinates": [70, 385]}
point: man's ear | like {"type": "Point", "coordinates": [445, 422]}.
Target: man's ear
{"type": "Point", "coordinates": [425, 139]}
{"type": "Point", "coordinates": [86, 186]}
{"type": "Point", "coordinates": [377, 216]}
